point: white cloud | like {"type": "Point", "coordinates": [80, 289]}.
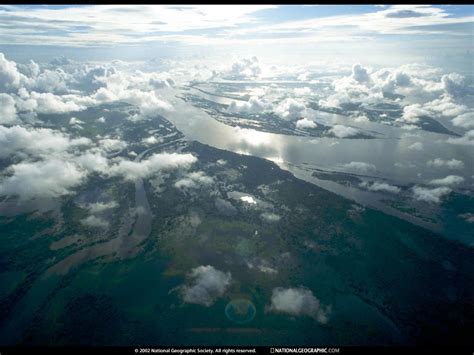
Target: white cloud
{"type": "Point", "coordinates": [416, 146]}
{"type": "Point", "coordinates": [41, 179]}
{"type": "Point", "coordinates": [99, 207]}
{"type": "Point", "coordinates": [205, 285]}
{"type": "Point", "coordinates": [10, 77]}
{"type": "Point", "coordinates": [290, 109]}
{"type": "Point", "coordinates": [466, 139]}
{"type": "Point", "coordinates": [36, 141]}
{"type": "Point", "coordinates": [270, 217]}
{"type": "Point", "coordinates": [360, 167]}
{"type": "Point", "coordinates": [465, 120]}
{"type": "Point", "coordinates": [468, 217]}
{"type": "Point", "coordinates": [253, 106]}
{"type": "Point", "coordinates": [430, 195]}
{"type": "Point", "coordinates": [248, 199]}
{"type": "Point", "coordinates": [298, 302]}
{"type": "Point", "coordinates": [305, 123]}
{"type": "Point", "coordinates": [112, 144]}
{"type": "Point", "coordinates": [359, 73]}
{"type": "Point", "coordinates": [132, 170]}
{"type": "Point", "coordinates": [451, 164]}
{"type": "Point", "coordinates": [412, 113]}
{"type": "Point", "coordinates": [150, 140]}
{"type": "Point", "coordinates": [7, 109]}
{"type": "Point", "coordinates": [194, 180]}
{"type": "Point", "coordinates": [95, 222]}
{"type": "Point", "coordinates": [246, 68]}
{"type": "Point", "coordinates": [448, 180]}
{"type": "Point", "coordinates": [341, 131]}
{"type": "Point", "coordinates": [381, 186]}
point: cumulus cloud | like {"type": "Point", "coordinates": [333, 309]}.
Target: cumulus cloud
{"type": "Point", "coordinates": [10, 77]}
{"type": "Point", "coordinates": [359, 73]}
{"type": "Point", "coordinates": [95, 222]}
{"type": "Point", "coordinates": [50, 103]}
{"type": "Point", "coordinates": [441, 163]}
{"type": "Point", "coordinates": [253, 106]}
{"type": "Point", "coordinates": [132, 170]}
{"type": "Point", "coordinates": [99, 207]}
{"type": "Point", "coordinates": [412, 113]}
{"type": "Point", "coordinates": [305, 123]}
{"type": "Point", "coordinates": [466, 139]}
{"type": "Point", "coordinates": [42, 179]}
{"type": "Point", "coordinates": [381, 186]}
{"type": "Point", "coordinates": [360, 167]}
{"type": "Point", "coordinates": [150, 140]}
{"type": "Point", "coordinates": [448, 180]}
{"type": "Point", "coordinates": [204, 285]}
{"type": "Point", "coordinates": [290, 109]}
{"type": "Point", "coordinates": [7, 109]}
{"type": "Point", "coordinates": [430, 195]}
{"type": "Point", "coordinates": [35, 141]}
{"type": "Point", "coordinates": [246, 68]}
{"type": "Point", "coordinates": [416, 146]}
{"type": "Point", "coordinates": [455, 85]}
{"type": "Point", "coordinates": [468, 217]}
{"type": "Point", "coordinates": [298, 302]}
{"type": "Point", "coordinates": [465, 120]}
{"type": "Point", "coordinates": [112, 144]}
{"type": "Point", "coordinates": [270, 217]}
{"type": "Point", "coordinates": [194, 180]}
{"type": "Point", "coordinates": [341, 131]}
{"type": "Point", "coordinates": [248, 199]}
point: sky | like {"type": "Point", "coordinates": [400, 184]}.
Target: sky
{"type": "Point", "coordinates": [285, 33]}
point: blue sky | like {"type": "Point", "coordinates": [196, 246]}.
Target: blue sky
{"type": "Point", "coordinates": [414, 30]}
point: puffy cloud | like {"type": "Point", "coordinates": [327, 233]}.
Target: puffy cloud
{"type": "Point", "coordinates": [270, 217]}
{"type": "Point", "coordinates": [466, 139]}
{"type": "Point", "coordinates": [41, 179]}
{"type": "Point", "coordinates": [359, 73]}
{"type": "Point", "coordinates": [7, 109]}
{"type": "Point", "coordinates": [205, 285]}
{"type": "Point", "coordinates": [290, 109]}
{"type": "Point", "coordinates": [132, 170]}
{"type": "Point", "coordinates": [298, 302]}
{"type": "Point", "coordinates": [360, 167]}
{"type": "Point", "coordinates": [93, 161]}
{"type": "Point", "coordinates": [361, 118]}
{"type": "Point", "coordinates": [150, 140]}
{"type": "Point", "coordinates": [430, 195]}
{"type": "Point", "coordinates": [444, 106]}
{"type": "Point", "coordinates": [341, 131]}
{"type": "Point", "coordinates": [416, 146]}
{"type": "Point", "coordinates": [99, 207]}
{"type": "Point", "coordinates": [194, 180]}
{"type": "Point", "coordinates": [35, 141]}
{"type": "Point", "coordinates": [253, 106]}
{"type": "Point", "coordinates": [112, 144]}
{"type": "Point", "coordinates": [246, 68]}
{"type": "Point", "coordinates": [381, 186]}
{"type": "Point", "coordinates": [305, 123]}
{"type": "Point", "coordinates": [50, 103]}
{"type": "Point", "coordinates": [465, 120]}
{"type": "Point", "coordinates": [454, 84]}
{"type": "Point", "coordinates": [10, 77]}
{"type": "Point", "coordinates": [412, 113]}
{"type": "Point", "coordinates": [468, 217]}
{"type": "Point", "coordinates": [95, 222]}
{"type": "Point", "coordinates": [441, 163]}
{"type": "Point", "coordinates": [448, 180]}
{"type": "Point", "coordinates": [248, 199]}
